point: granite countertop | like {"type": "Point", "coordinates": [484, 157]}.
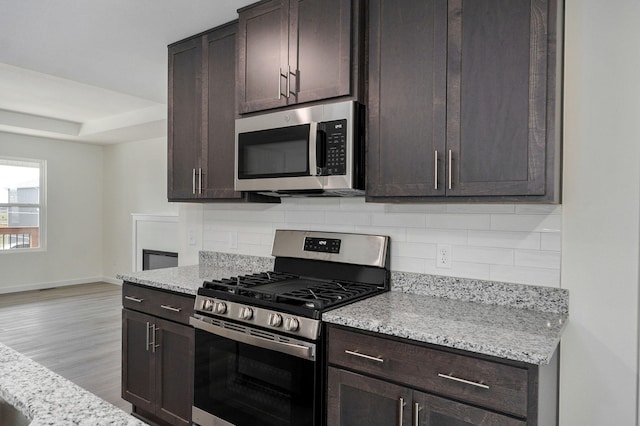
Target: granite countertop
{"type": "Point", "coordinates": [49, 399]}
{"type": "Point", "coordinates": [517, 334]}
{"type": "Point", "coordinates": [212, 266]}
{"type": "Point", "coordinates": [511, 321]}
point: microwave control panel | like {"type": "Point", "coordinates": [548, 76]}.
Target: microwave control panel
{"type": "Point", "coordinates": [336, 148]}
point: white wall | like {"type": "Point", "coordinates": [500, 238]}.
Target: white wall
{"type": "Point", "coordinates": [74, 216]}
{"type": "Point", "coordinates": [601, 211]}
{"type": "Point", "coordinates": [135, 182]}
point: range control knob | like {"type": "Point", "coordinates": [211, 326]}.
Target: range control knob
{"type": "Point", "coordinates": [220, 308]}
{"type": "Point", "coordinates": [291, 324]}
{"type": "Point", "coordinates": [275, 320]}
{"type": "Point", "coordinates": [246, 313]}
{"type": "Point", "coordinates": [207, 305]}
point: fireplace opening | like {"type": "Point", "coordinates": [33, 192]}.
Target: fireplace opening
{"type": "Point", "coordinates": [157, 259]}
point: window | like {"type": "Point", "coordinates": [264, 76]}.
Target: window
{"type": "Point", "coordinates": [22, 204]}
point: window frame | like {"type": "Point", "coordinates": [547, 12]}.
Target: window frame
{"type": "Point", "coordinates": [41, 205]}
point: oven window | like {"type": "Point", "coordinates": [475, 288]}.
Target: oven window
{"type": "Point", "coordinates": [274, 153]}
{"type": "Point", "coordinates": [247, 385]}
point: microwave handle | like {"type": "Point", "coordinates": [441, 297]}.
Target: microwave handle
{"type": "Point", "coordinates": [313, 144]}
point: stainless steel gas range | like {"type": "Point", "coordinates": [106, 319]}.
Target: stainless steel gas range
{"type": "Point", "coordinates": [259, 338]}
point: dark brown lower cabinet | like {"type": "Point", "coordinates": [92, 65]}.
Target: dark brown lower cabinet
{"type": "Point", "coordinates": [377, 380]}
{"type": "Point", "coordinates": [157, 367]}
{"type": "Point", "coordinates": [355, 400]}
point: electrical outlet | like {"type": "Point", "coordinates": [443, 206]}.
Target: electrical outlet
{"type": "Point", "coordinates": [192, 237]}
{"type": "Point", "coordinates": [233, 239]}
{"type": "Point", "coordinates": [443, 256]}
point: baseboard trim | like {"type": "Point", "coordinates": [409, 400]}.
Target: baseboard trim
{"type": "Point", "coordinates": [54, 284]}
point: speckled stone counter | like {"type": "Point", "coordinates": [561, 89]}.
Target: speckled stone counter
{"type": "Point", "coordinates": [512, 321]}
{"type": "Point", "coordinates": [517, 334]}
{"type": "Point", "coordinates": [49, 399]}
{"type": "Point", "coordinates": [187, 279]}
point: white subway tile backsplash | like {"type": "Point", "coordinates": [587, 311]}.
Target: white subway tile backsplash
{"type": "Point", "coordinates": [419, 250]}
{"type": "Point", "coordinates": [545, 209]}
{"type": "Point", "coordinates": [551, 241]}
{"type": "Point", "coordinates": [538, 259]}
{"type": "Point", "coordinates": [396, 234]}
{"type": "Point", "coordinates": [358, 204]}
{"type": "Point", "coordinates": [494, 256]}
{"type": "Point", "coordinates": [239, 214]}
{"type": "Point", "coordinates": [296, 216]}
{"type": "Point", "coordinates": [522, 240]}
{"type": "Point", "coordinates": [459, 221]}
{"type": "Point", "coordinates": [325, 204]}
{"type": "Point", "coordinates": [350, 218]}
{"type": "Point", "coordinates": [501, 242]}
{"type": "Point", "coordinates": [526, 275]}
{"type": "Point", "coordinates": [404, 220]}
{"type": "Point", "coordinates": [415, 208]}
{"type": "Point", "coordinates": [526, 223]}
{"type": "Point", "coordinates": [460, 269]}
{"type": "Point", "coordinates": [480, 208]}
{"type": "Point", "coordinates": [442, 236]}
{"type": "Point", "coordinates": [408, 264]}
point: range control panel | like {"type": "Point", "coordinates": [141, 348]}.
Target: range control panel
{"type": "Point", "coordinates": [322, 245]}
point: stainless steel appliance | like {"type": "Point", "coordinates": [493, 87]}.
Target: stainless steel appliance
{"type": "Point", "coordinates": [259, 338]}
{"type": "Point", "coordinates": [316, 150]}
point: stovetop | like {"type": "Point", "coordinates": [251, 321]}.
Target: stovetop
{"type": "Point", "coordinates": [291, 293]}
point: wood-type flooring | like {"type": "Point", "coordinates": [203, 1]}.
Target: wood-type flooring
{"type": "Point", "coordinates": [75, 331]}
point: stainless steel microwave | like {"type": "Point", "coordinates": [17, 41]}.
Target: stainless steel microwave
{"type": "Point", "coordinates": [316, 150]}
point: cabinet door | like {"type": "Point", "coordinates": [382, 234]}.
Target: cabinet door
{"type": "Point", "coordinates": [138, 364]}
{"type": "Point", "coordinates": [185, 118]}
{"type": "Point", "coordinates": [219, 128]}
{"type": "Point", "coordinates": [356, 400]}
{"type": "Point", "coordinates": [407, 92]}
{"type": "Point", "coordinates": [320, 49]}
{"type": "Point", "coordinates": [496, 97]}
{"type": "Point", "coordinates": [434, 411]}
{"type": "Point", "coordinates": [263, 37]}
{"type": "Point", "coordinates": [174, 372]}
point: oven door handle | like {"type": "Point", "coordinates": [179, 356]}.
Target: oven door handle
{"type": "Point", "coordinates": [302, 350]}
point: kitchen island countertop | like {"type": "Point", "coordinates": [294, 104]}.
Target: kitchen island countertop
{"type": "Point", "coordinates": [49, 399]}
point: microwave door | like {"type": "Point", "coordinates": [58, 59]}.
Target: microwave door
{"type": "Point", "coordinates": [283, 159]}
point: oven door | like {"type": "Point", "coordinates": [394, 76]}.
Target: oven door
{"type": "Point", "coordinates": [246, 376]}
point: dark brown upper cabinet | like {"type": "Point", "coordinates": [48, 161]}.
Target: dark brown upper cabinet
{"type": "Point", "coordinates": [296, 51]}
{"type": "Point", "coordinates": [464, 100]}
{"type": "Point", "coordinates": [202, 112]}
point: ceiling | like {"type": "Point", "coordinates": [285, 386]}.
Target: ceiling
{"type": "Point", "coordinates": [94, 71]}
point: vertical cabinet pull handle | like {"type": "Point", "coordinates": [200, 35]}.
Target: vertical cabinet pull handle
{"type": "Point", "coordinates": [280, 75]}
{"type": "Point", "coordinates": [435, 169]}
{"type": "Point", "coordinates": [416, 411]}
{"type": "Point", "coordinates": [193, 185]}
{"type": "Point", "coordinates": [153, 343]}
{"type": "Point", "coordinates": [200, 180]}
{"type": "Point", "coordinates": [146, 344]}
{"type": "Point", "coordinates": [289, 81]}
{"type": "Point", "coordinates": [450, 161]}
{"type": "Point", "coordinates": [400, 411]}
